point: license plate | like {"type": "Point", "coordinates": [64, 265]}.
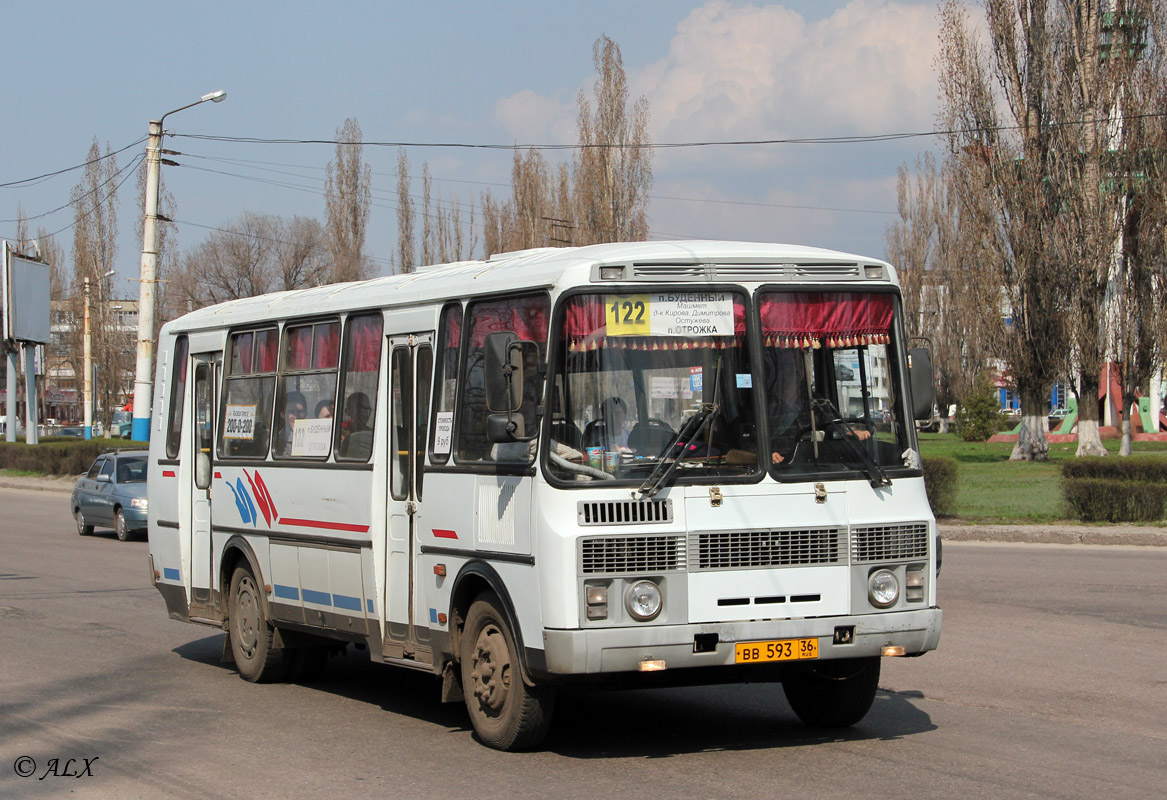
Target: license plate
{"type": "Point", "coordinates": [779, 650]}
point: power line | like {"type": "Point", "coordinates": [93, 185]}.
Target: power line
{"type": "Point", "coordinates": [39, 178]}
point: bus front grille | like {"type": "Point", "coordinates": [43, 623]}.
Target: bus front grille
{"type": "Point", "coordinates": [624, 512]}
{"type": "Point", "coordinates": [766, 548]}
{"type": "Point", "coordinates": [889, 542]}
{"type": "Point", "coordinates": [640, 554]}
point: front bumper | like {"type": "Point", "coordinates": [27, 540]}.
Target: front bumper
{"type": "Point", "coordinates": [610, 650]}
{"type": "Point", "coordinates": [135, 517]}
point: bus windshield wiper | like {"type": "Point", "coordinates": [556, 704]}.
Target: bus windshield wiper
{"type": "Point", "coordinates": [874, 472]}
{"type": "Point", "coordinates": [688, 433]}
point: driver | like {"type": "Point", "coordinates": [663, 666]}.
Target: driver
{"type": "Point", "coordinates": [788, 406]}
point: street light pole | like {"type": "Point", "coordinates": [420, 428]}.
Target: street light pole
{"type": "Point", "coordinates": [143, 375]}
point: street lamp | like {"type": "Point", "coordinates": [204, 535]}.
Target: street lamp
{"type": "Point", "coordinates": [143, 382]}
{"type": "Point", "coordinates": [87, 387]}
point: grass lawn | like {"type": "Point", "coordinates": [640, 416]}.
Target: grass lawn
{"type": "Point", "coordinates": [991, 488]}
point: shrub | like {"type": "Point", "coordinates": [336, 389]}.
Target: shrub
{"type": "Point", "coordinates": [1150, 469]}
{"type": "Point", "coordinates": [53, 457]}
{"type": "Point", "coordinates": [1101, 500]}
{"type": "Point", "coordinates": [979, 414]}
{"type": "Point", "coordinates": [940, 484]}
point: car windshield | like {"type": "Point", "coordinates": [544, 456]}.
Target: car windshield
{"type": "Point", "coordinates": [831, 373]}
{"type": "Point", "coordinates": [131, 469]}
{"type": "Point", "coordinates": [653, 379]}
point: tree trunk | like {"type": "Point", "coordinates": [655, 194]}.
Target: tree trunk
{"type": "Point", "coordinates": [1089, 438]}
{"type": "Point", "coordinates": [943, 423]}
{"type": "Point", "coordinates": [1125, 448]}
{"type": "Point", "coordinates": [1031, 442]}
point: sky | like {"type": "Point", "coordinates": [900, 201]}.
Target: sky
{"type": "Point", "coordinates": [476, 73]}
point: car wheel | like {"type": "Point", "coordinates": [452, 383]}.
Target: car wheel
{"type": "Point", "coordinates": [257, 660]}
{"type": "Point", "coordinates": [120, 526]}
{"type": "Point", "coordinates": [832, 694]}
{"type": "Point", "coordinates": [83, 527]}
{"type": "Point", "coordinates": [506, 713]}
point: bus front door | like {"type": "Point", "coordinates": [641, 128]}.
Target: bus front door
{"type": "Point", "coordinates": [205, 369]}
{"type": "Point", "coordinates": [410, 377]}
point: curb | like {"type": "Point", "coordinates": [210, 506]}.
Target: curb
{"type": "Point", "coordinates": [1061, 534]}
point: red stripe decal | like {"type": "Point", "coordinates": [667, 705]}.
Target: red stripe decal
{"type": "Point", "coordinates": [259, 498]}
{"type": "Point", "coordinates": [328, 526]}
{"type": "Point", "coordinates": [262, 487]}
{"type": "Point", "coordinates": [218, 475]}
{"type": "Point", "coordinates": [168, 473]}
{"type": "Point", "coordinates": [441, 534]}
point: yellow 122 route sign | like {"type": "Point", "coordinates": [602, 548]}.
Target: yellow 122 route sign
{"type": "Point", "coordinates": [669, 314]}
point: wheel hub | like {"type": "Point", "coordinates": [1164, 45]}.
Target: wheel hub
{"type": "Point", "coordinates": [491, 671]}
{"type": "Point", "coordinates": [247, 618]}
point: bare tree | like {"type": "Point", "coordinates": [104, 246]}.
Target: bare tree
{"type": "Point", "coordinates": [254, 255]}
{"type": "Point", "coordinates": [943, 300]}
{"type": "Point", "coordinates": [347, 192]}
{"type": "Point", "coordinates": [95, 228]}
{"type": "Point", "coordinates": [613, 171]}
{"type": "Point", "coordinates": [1001, 166]}
{"type": "Point", "coordinates": [406, 260]}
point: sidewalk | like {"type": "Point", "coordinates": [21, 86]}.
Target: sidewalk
{"type": "Point", "coordinates": [1066, 533]}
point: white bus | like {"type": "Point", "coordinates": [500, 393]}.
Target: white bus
{"type": "Point", "coordinates": [629, 464]}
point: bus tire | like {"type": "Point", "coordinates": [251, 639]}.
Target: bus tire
{"type": "Point", "coordinates": [507, 714]}
{"type": "Point", "coordinates": [832, 694]}
{"type": "Point", "coordinates": [83, 527]}
{"type": "Point", "coordinates": [251, 634]}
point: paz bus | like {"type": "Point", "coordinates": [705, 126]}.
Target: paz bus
{"type": "Point", "coordinates": [655, 463]}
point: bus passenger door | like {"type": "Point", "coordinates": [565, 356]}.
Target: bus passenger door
{"type": "Point", "coordinates": [205, 370]}
{"type": "Point", "coordinates": [410, 377]}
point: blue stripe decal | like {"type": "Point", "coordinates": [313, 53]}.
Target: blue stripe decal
{"type": "Point", "coordinates": [369, 604]}
{"type": "Point", "coordinates": [433, 615]}
{"type": "Point", "coordinates": [346, 602]}
{"type": "Point", "coordinates": [170, 574]}
{"type": "Point", "coordinates": [287, 592]}
{"type": "Point", "coordinates": [319, 598]}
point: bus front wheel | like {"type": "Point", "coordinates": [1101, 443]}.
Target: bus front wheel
{"type": "Point", "coordinates": [251, 633]}
{"type": "Point", "coordinates": [507, 714]}
{"type": "Point", "coordinates": [832, 694]}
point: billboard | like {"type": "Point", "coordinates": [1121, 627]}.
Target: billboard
{"type": "Point", "coordinates": [24, 290]}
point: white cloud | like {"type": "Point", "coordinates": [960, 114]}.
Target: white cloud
{"type": "Point", "coordinates": [765, 72]}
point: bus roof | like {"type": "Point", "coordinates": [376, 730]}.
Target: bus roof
{"type": "Point", "coordinates": [545, 267]}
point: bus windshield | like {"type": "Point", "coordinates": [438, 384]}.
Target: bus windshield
{"type": "Point", "coordinates": [649, 378]}
{"type": "Point", "coordinates": [831, 374]}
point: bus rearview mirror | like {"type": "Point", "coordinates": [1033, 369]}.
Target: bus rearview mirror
{"type": "Point", "coordinates": [504, 372]}
{"type": "Point", "coordinates": [921, 378]}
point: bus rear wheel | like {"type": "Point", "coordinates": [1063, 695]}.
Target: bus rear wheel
{"type": "Point", "coordinates": [507, 714]}
{"type": "Point", "coordinates": [832, 694]}
{"type": "Point", "coordinates": [251, 633]}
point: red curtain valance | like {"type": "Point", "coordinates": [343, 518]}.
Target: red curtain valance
{"type": "Point", "coordinates": [525, 316]}
{"type": "Point", "coordinates": [831, 319]}
{"type": "Point", "coordinates": [363, 336]}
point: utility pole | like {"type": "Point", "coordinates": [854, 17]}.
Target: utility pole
{"type": "Point", "coordinates": [143, 373]}
{"type": "Point", "coordinates": [87, 383]}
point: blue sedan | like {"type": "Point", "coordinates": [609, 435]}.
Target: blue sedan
{"type": "Point", "coordinates": [112, 494]}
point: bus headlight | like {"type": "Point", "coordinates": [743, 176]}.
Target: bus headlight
{"type": "Point", "coordinates": [644, 601]}
{"type": "Point", "coordinates": [883, 588]}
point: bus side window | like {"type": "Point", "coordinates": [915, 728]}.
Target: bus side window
{"type": "Point", "coordinates": [527, 318]}
{"type": "Point", "coordinates": [248, 389]}
{"type": "Point", "coordinates": [177, 396]}
{"type": "Point", "coordinates": [362, 362]}
{"type": "Point", "coordinates": [307, 390]}
{"type": "Point", "coordinates": [449, 346]}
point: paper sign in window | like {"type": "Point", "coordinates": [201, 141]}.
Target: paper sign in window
{"type": "Point", "coordinates": [443, 431]}
{"type": "Point", "coordinates": [311, 437]}
{"type": "Point", "coordinates": [239, 422]}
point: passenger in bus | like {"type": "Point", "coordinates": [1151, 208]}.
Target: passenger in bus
{"type": "Point", "coordinates": [295, 407]}
{"type": "Point", "coordinates": [356, 437]}
{"type": "Point", "coordinates": [324, 408]}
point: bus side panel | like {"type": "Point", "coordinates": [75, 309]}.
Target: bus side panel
{"type": "Point", "coordinates": [285, 582]}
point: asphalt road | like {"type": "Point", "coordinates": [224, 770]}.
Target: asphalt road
{"type": "Point", "coordinates": [1049, 683]}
